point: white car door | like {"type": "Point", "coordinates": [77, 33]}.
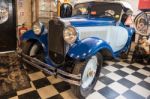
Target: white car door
{"type": "Point", "coordinates": [115, 36]}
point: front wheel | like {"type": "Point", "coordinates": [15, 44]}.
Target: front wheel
{"type": "Point", "coordinates": [90, 71]}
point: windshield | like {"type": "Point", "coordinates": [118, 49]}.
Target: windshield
{"type": "Point", "coordinates": [81, 9]}
{"type": "Point", "coordinates": [99, 9]}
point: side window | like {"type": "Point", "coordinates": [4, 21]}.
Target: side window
{"type": "Point", "coordinates": [124, 18]}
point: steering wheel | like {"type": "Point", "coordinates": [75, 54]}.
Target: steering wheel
{"type": "Point", "coordinates": [107, 14]}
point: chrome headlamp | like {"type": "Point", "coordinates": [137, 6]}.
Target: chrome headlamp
{"type": "Point", "coordinates": [37, 28]}
{"type": "Point", "coordinates": [70, 34]}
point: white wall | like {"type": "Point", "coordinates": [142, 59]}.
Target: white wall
{"type": "Point", "coordinates": [134, 4]}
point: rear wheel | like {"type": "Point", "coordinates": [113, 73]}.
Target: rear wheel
{"type": "Point", "coordinates": [35, 50]}
{"type": "Point", "coordinates": [124, 55]}
{"type": "Point", "coordinates": [90, 71]}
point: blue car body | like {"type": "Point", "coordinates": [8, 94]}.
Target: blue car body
{"type": "Point", "coordinates": [83, 48]}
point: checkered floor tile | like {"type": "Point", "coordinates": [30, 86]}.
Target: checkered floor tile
{"type": "Point", "coordinates": [118, 80]}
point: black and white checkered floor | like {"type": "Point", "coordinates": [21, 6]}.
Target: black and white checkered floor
{"type": "Point", "coordinates": [118, 80]}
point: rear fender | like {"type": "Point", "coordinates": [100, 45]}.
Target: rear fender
{"type": "Point", "coordinates": [88, 47]}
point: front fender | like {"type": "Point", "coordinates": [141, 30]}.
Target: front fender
{"type": "Point", "coordinates": [87, 48]}
{"type": "Point", "coordinates": [29, 35]}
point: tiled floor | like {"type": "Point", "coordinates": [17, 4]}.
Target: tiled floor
{"type": "Point", "coordinates": [118, 80]}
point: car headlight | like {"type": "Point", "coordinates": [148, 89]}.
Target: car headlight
{"type": "Point", "coordinates": [37, 28]}
{"type": "Point", "coordinates": [70, 34]}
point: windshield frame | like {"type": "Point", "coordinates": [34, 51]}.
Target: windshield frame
{"type": "Point", "coordinates": [91, 4]}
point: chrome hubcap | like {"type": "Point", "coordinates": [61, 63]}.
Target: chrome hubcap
{"type": "Point", "coordinates": [91, 73]}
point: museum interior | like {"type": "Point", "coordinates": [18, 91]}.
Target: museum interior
{"type": "Point", "coordinates": [74, 49]}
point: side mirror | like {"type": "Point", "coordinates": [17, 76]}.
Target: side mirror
{"type": "Point", "coordinates": [65, 10]}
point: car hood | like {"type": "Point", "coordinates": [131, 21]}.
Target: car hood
{"type": "Point", "coordinates": [85, 22]}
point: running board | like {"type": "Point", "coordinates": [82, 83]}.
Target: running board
{"type": "Point", "coordinates": [68, 77]}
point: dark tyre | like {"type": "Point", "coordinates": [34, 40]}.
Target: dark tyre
{"type": "Point", "coordinates": [90, 70]}
{"type": "Point", "coordinates": [35, 50]}
{"type": "Point", "coordinates": [125, 54]}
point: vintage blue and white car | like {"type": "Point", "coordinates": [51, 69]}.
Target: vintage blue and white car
{"type": "Point", "coordinates": [74, 48]}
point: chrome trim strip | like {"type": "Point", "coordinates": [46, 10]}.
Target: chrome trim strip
{"type": "Point", "coordinates": [7, 52]}
{"type": "Point", "coordinates": [52, 70]}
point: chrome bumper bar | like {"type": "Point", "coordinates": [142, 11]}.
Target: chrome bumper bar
{"type": "Point", "coordinates": [51, 70]}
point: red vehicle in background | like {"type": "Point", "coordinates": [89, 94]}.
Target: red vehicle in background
{"type": "Point", "coordinates": [144, 5]}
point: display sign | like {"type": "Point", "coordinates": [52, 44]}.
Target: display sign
{"type": "Point", "coordinates": [3, 11]}
{"type": "Point", "coordinates": [144, 4]}
{"type": "Point", "coordinates": [8, 41]}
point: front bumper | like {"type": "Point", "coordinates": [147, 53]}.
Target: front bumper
{"type": "Point", "coordinates": [68, 77]}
